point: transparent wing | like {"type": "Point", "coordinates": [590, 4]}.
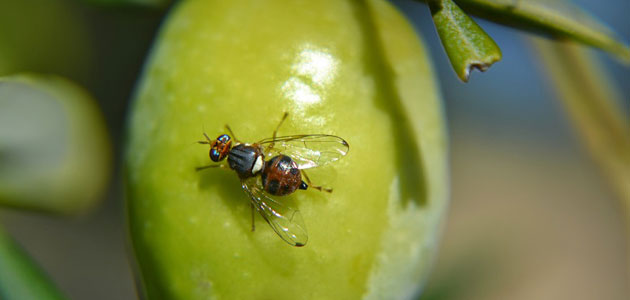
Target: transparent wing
{"type": "Point", "coordinates": [285, 221]}
{"type": "Point", "coordinates": [308, 151]}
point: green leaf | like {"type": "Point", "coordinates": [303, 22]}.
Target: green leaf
{"type": "Point", "coordinates": [20, 277]}
{"type": "Point", "coordinates": [54, 148]}
{"type": "Point", "coordinates": [467, 45]}
{"type": "Point", "coordinates": [44, 36]}
{"type": "Point", "coordinates": [145, 3]}
{"type": "Point", "coordinates": [558, 18]}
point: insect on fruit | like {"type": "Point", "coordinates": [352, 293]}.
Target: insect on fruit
{"type": "Point", "coordinates": [265, 180]}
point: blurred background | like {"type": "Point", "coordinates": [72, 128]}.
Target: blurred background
{"type": "Point", "coordinates": [531, 217]}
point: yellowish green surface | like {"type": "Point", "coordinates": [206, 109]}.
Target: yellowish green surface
{"type": "Point", "coordinates": [338, 67]}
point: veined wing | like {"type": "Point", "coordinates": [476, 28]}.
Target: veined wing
{"type": "Point", "coordinates": [309, 150]}
{"type": "Point", "coordinates": [285, 221]}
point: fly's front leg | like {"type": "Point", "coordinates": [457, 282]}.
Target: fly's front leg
{"type": "Point", "coordinates": [221, 166]}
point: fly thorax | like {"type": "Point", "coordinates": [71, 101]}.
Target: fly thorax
{"type": "Point", "coordinates": [244, 160]}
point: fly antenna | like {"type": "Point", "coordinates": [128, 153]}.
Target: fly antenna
{"type": "Point", "coordinates": [207, 141]}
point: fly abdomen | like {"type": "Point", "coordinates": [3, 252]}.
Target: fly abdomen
{"type": "Point", "coordinates": [281, 176]}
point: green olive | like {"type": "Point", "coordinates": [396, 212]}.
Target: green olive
{"type": "Point", "coordinates": [352, 69]}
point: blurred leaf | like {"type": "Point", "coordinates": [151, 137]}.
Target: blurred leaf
{"type": "Point", "coordinates": [20, 277]}
{"type": "Point", "coordinates": [557, 18]}
{"type": "Point", "coordinates": [54, 148]}
{"type": "Point", "coordinates": [471, 271]}
{"type": "Point", "coordinates": [44, 36]}
{"type": "Point", "coordinates": [147, 3]}
{"type": "Point", "coordinates": [594, 107]}
{"type": "Point", "coordinates": [466, 44]}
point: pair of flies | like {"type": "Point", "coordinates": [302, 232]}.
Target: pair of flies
{"type": "Point", "coordinates": [265, 181]}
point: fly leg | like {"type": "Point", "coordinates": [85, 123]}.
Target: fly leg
{"type": "Point", "coordinates": [210, 166]}
{"type": "Point", "coordinates": [275, 132]}
{"type": "Point", "coordinates": [319, 188]}
{"type": "Point", "coordinates": [253, 223]}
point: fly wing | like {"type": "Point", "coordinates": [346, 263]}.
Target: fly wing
{"type": "Point", "coordinates": [308, 151]}
{"type": "Point", "coordinates": [285, 221]}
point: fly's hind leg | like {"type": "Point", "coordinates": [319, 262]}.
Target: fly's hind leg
{"type": "Point", "coordinates": [319, 188]}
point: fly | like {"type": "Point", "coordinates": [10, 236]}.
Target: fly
{"type": "Point", "coordinates": [266, 180]}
